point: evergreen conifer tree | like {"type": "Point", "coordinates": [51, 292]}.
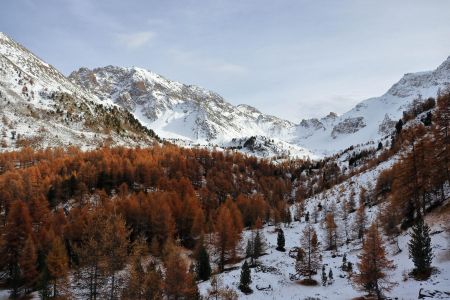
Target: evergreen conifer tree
{"type": "Point", "coordinates": [349, 266]}
{"type": "Point", "coordinates": [258, 245]}
{"type": "Point", "coordinates": [420, 250]}
{"type": "Point", "coordinates": [203, 267]}
{"type": "Point", "coordinates": [249, 249]}
{"type": "Point", "coordinates": [255, 247]}
{"type": "Point", "coordinates": [280, 240]}
{"type": "Point", "coordinates": [324, 276]}
{"type": "Point", "coordinates": [244, 283]}
{"type": "Point", "coordinates": [344, 262]}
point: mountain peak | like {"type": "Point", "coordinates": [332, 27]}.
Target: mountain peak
{"type": "Point", "coordinates": [445, 66]}
{"type": "Point", "coordinates": [176, 110]}
{"type": "Point", "coordinates": [424, 83]}
{"type": "Point", "coordinates": [180, 111]}
{"type": "Point", "coordinates": [45, 108]}
{"type": "Point", "coordinates": [3, 36]}
{"type": "Point", "coordinates": [331, 115]}
{"type": "Point", "coordinates": [248, 108]}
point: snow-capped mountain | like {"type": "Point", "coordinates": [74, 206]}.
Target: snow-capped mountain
{"type": "Point", "coordinates": [40, 107]}
{"type": "Point", "coordinates": [178, 111]}
{"type": "Point", "coordinates": [196, 115]}
{"type": "Point", "coordinates": [374, 118]}
{"type": "Point", "coordinates": [115, 105]}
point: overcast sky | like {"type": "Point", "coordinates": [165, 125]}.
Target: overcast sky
{"type": "Point", "coordinates": [294, 59]}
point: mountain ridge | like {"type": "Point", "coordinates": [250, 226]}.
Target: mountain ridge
{"type": "Point", "coordinates": [134, 103]}
{"type": "Point", "coordinates": [181, 112]}
{"type": "Point", "coordinates": [188, 112]}
{"type": "Point", "coordinates": [40, 107]}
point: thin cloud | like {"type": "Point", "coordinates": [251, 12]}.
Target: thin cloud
{"type": "Point", "coordinates": [229, 68]}
{"type": "Point", "coordinates": [208, 64]}
{"type": "Point", "coordinates": [136, 40]}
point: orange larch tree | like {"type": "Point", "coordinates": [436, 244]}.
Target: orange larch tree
{"type": "Point", "coordinates": [373, 265]}
{"type": "Point", "coordinates": [58, 267]}
{"type": "Point", "coordinates": [14, 239]}
{"type": "Point", "coordinates": [226, 238]}
{"type": "Point", "coordinates": [28, 264]}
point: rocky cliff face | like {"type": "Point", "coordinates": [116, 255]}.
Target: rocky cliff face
{"type": "Point", "coordinates": [176, 110]}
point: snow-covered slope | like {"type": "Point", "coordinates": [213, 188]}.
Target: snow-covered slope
{"type": "Point", "coordinates": [271, 280]}
{"type": "Point", "coordinates": [175, 110]}
{"type": "Point", "coordinates": [373, 118]}
{"type": "Point", "coordinates": [45, 108]}
{"type": "Point", "coordinates": [186, 112]}
{"type": "Point", "coordinates": [40, 107]}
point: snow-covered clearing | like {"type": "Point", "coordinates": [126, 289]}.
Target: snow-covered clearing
{"type": "Point", "coordinates": [279, 286]}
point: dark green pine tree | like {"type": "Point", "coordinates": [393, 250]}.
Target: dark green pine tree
{"type": "Point", "coordinates": [249, 250]}
{"type": "Point", "coordinates": [330, 274]}
{"type": "Point", "coordinates": [324, 276]}
{"type": "Point", "coordinates": [280, 240]}
{"type": "Point", "coordinates": [420, 250]}
{"type": "Point", "coordinates": [349, 267]}
{"type": "Point", "coordinates": [246, 279]}
{"type": "Point", "coordinates": [203, 266]}
{"type": "Point", "coordinates": [344, 262]}
{"type": "Point", "coordinates": [255, 247]}
{"type": "Point", "coordinates": [258, 245]}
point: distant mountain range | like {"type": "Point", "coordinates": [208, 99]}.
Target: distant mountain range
{"type": "Point", "coordinates": [118, 105]}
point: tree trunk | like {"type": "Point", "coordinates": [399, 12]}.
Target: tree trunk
{"type": "Point", "coordinates": [91, 284]}
{"type": "Point", "coordinates": [112, 286]}
{"type": "Point", "coordinates": [416, 181]}
{"type": "Point", "coordinates": [95, 284]}
{"type": "Point", "coordinates": [222, 260]}
{"type": "Point", "coordinates": [54, 288]}
{"type": "Point", "coordinates": [424, 203]}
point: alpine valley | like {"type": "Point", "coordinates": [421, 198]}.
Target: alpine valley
{"type": "Point", "coordinates": [117, 183]}
{"type": "Point", "coordinates": [127, 106]}
{"type": "Point", "coordinates": [193, 115]}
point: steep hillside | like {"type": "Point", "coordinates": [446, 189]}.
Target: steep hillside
{"type": "Point", "coordinates": [382, 194]}
{"type": "Point", "coordinates": [40, 107]}
{"type": "Point", "coordinates": [272, 279]}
